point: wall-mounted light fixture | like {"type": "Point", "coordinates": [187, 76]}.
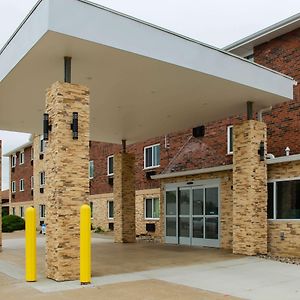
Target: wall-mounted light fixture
{"type": "Point", "coordinates": [74, 126]}
{"type": "Point", "coordinates": [46, 127]}
{"type": "Point", "coordinates": [261, 151]}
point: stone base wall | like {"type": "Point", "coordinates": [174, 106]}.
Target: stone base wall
{"type": "Point", "coordinates": [17, 206]}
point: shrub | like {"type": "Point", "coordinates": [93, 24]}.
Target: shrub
{"type": "Point", "coordinates": [12, 223]}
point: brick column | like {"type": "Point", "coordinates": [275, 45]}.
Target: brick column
{"type": "Point", "coordinates": [67, 183]}
{"type": "Point", "coordinates": [249, 189]}
{"type": "Point", "coordinates": [124, 198]}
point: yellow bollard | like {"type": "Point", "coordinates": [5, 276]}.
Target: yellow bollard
{"type": "Point", "coordinates": [30, 244]}
{"type": "Point", "coordinates": [85, 244]}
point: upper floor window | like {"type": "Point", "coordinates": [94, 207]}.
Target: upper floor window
{"type": "Point", "coordinates": [21, 185]}
{"type": "Point", "coordinates": [284, 199]}
{"type": "Point", "coordinates": [22, 157]}
{"type": "Point", "coordinates": [13, 160]}
{"type": "Point", "coordinates": [110, 165]}
{"type": "Point", "coordinates": [110, 209]}
{"type": "Point", "coordinates": [230, 139]}
{"type": "Point", "coordinates": [152, 156]}
{"type": "Point", "coordinates": [91, 169]}
{"type": "Point", "coordinates": [13, 186]}
{"type": "Point", "coordinates": [152, 208]}
{"type": "Point", "coordinates": [42, 179]}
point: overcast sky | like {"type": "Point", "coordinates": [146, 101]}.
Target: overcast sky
{"type": "Point", "coordinates": [216, 22]}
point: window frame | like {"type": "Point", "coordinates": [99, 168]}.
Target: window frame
{"type": "Point", "coordinates": [42, 145]}
{"type": "Point", "coordinates": [13, 211]}
{"type": "Point", "coordinates": [108, 215]}
{"type": "Point", "coordinates": [229, 129]}
{"type": "Point", "coordinates": [145, 149]}
{"type": "Point", "coordinates": [13, 184]}
{"type": "Point", "coordinates": [13, 160]}
{"type": "Point", "coordinates": [152, 198]}
{"type": "Point", "coordinates": [108, 158]}
{"type": "Point", "coordinates": [31, 153]}
{"type": "Point", "coordinates": [32, 182]}
{"type": "Point", "coordinates": [21, 209]}
{"type": "Point", "coordinates": [22, 186]}
{"type": "Point", "coordinates": [91, 162]}
{"type": "Point", "coordinates": [42, 185]}
{"type": "Point", "coordinates": [274, 181]}
{"type": "Point", "coordinates": [42, 211]}
{"type": "Point", "coordinates": [22, 157]}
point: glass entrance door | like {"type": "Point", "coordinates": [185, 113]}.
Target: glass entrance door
{"type": "Point", "coordinates": [192, 216]}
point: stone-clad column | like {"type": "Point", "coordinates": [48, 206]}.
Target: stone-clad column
{"type": "Point", "coordinates": [124, 198]}
{"type": "Point", "coordinates": [67, 183]}
{"type": "Point", "coordinates": [249, 189]}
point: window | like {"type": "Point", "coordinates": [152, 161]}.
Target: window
{"type": "Point", "coordinates": [13, 186]}
{"type": "Point", "coordinates": [230, 139]}
{"type": "Point", "coordinates": [32, 182]}
{"type": "Point", "coordinates": [42, 210]}
{"type": "Point", "coordinates": [13, 211]}
{"type": "Point", "coordinates": [284, 199]}
{"type": "Point", "coordinates": [21, 185]}
{"type": "Point", "coordinates": [22, 211]}
{"type": "Point", "coordinates": [110, 209]}
{"type": "Point", "coordinates": [110, 165]}
{"type": "Point", "coordinates": [152, 156]}
{"type": "Point", "coordinates": [152, 208]}
{"type": "Point", "coordinates": [32, 153]}
{"type": "Point", "coordinates": [92, 207]}
{"type": "Point", "coordinates": [22, 157]}
{"type": "Point", "coordinates": [42, 179]}
{"type": "Point", "coordinates": [91, 169]}
{"type": "Point", "coordinates": [13, 160]}
{"type": "Point", "coordinates": [42, 144]}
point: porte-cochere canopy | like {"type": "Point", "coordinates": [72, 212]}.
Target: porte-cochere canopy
{"type": "Point", "coordinates": [145, 81]}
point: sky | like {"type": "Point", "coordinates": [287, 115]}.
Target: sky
{"type": "Point", "coordinates": [215, 22]}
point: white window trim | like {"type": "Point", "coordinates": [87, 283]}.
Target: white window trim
{"type": "Point", "coordinates": [275, 199]}
{"type": "Point", "coordinates": [13, 211]}
{"type": "Point", "coordinates": [40, 211]}
{"type": "Point", "coordinates": [32, 153]}
{"type": "Point", "coordinates": [145, 211]}
{"type": "Point", "coordinates": [228, 139]}
{"type": "Point", "coordinates": [13, 160]}
{"type": "Point", "coordinates": [108, 158]}
{"type": "Point", "coordinates": [109, 218]}
{"type": "Point", "coordinates": [22, 187]}
{"type": "Point", "coordinates": [22, 154]}
{"type": "Point", "coordinates": [42, 141]}
{"type": "Point", "coordinates": [91, 162]}
{"type": "Point", "coordinates": [22, 211]}
{"type": "Point", "coordinates": [13, 184]}
{"type": "Point", "coordinates": [147, 147]}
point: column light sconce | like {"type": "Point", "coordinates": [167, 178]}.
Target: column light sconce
{"type": "Point", "coordinates": [74, 126]}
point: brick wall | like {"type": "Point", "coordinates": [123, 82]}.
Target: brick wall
{"type": "Point", "coordinates": [24, 171]}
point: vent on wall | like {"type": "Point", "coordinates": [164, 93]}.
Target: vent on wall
{"type": "Point", "coordinates": [150, 227]}
{"type": "Point", "coordinates": [199, 131]}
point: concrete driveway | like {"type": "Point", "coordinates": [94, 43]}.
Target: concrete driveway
{"type": "Point", "coordinates": [147, 271]}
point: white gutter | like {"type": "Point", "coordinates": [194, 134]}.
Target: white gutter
{"type": "Point", "coordinates": [283, 159]}
{"type": "Point", "coordinates": [193, 172]}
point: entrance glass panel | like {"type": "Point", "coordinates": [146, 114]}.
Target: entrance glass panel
{"type": "Point", "coordinates": [192, 215]}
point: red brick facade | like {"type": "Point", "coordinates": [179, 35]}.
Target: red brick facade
{"type": "Point", "coordinates": [24, 171]}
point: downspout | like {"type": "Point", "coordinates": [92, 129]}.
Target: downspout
{"type": "Point", "coordinates": [261, 111]}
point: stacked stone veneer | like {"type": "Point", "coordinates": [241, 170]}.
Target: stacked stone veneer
{"type": "Point", "coordinates": [124, 198]}
{"type": "Point", "coordinates": [66, 167]}
{"type": "Point", "coordinates": [249, 189]}
{"type": "Point", "coordinates": [290, 245]}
